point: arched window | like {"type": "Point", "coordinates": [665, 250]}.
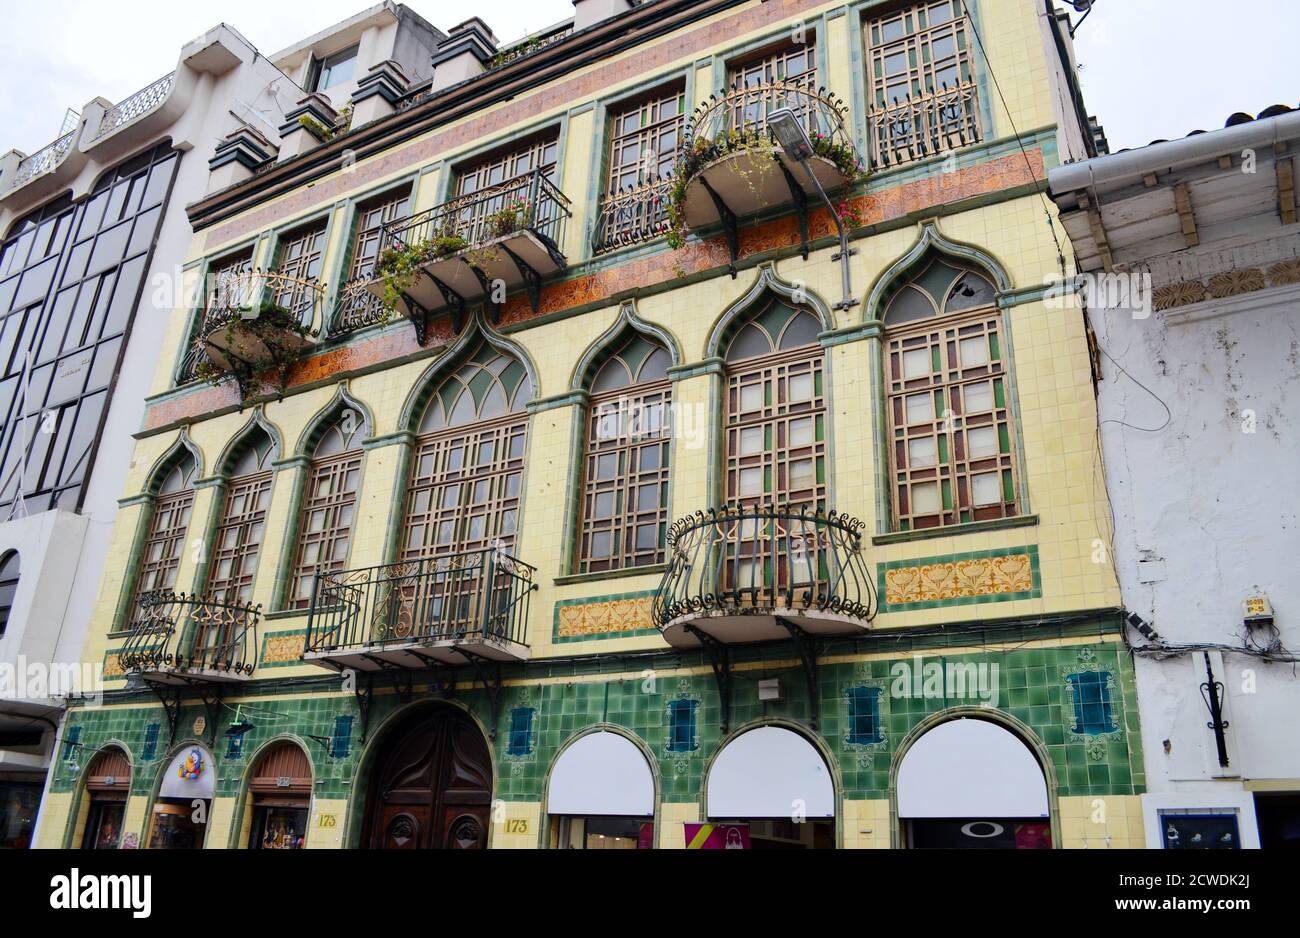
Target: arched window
{"type": "Point", "coordinates": [468, 463]}
{"type": "Point", "coordinates": [625, 470]}
{"type": "Point", "coordinates": [160, 557]}
{"type": "Point", "coordinates": [329, 507]}
{"type": "Point", "coordinates": [242, 523]}
{"type": "Point", "coordinates": [951, 440]}
{"type": "Point", "coordinates": [776, 410]}
{"type": "Point", "coordinates": [9, 573]}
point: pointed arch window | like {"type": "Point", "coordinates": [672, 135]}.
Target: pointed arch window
{"type": "Point", "coordinates": [160, 556]}
{"type": "Point", "coordinates": [242, 524]}
{"type": "Point", "coordinates": [952, 456]}
{"type": "Point", "coordinates": [467, 470]}
{"type": "Point", "coordinates": [329, 507]}
{"type": "Point", "coordinates": [625, 466]}
{"type": "Point", "coordinates": [776, 410]}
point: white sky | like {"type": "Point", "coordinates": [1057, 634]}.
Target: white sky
{"type": "Point", "coordinates": [1151, 68]}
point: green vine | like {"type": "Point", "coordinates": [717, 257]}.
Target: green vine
{"type": "Point", "coordinates": [399, 267]}
{"type": "Point", "coordinates": [270, 324]}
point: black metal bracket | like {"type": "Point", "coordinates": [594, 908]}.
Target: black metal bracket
{"type": "Point", "coordinates": [800, 200]}
{"type": "Point", "coordinates": [719, 655]}
{"type": "Point", "coordinates": [729, 225]}
{"type": "Point", "coordinates": [489, 672]}
{"type": "Point", "coordinates": [488, 302]}
{"type": "Point", "coordinates": [532, 279]}
{"type": "Point", "coordinates": [364, 690]}
{"type": "Point", "coordinates": [170, 698]}
{"type": "Point", "coordinates": [1212, 693]}
{"type": "Point", "coordinates": [807, 648]}
{"type": "Point", "coordinates": [455, 302]}
{"type": "Point", "coordinates": [212, 707]}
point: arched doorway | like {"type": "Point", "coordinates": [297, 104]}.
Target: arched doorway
{"type": "Point", "coordinates": [180, 812]}
{"type": "Point", "coordinates": [601, 795]}
{"type": "Point", "coordinates": [280, 792]}
{"type": "Point", "coordinates": [972, 783]}
{"type": "Point", "coordinates": [108, 784]}
{"type": "Point", "coordinates": [769, 788]}
{"type": "Point", "coordinates": [431, 786]}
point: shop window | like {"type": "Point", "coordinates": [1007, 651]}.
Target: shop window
{"type": "Point", "coordinates": [681, 725]}
{"type": "Point", "coordinates": [1092, 709]}
{"type": "Point", "coordinates": [602, 833]}
{"type": "Point", "coordinates": [281, 792]}
{"type": "Point", "coordinates": [1199, 830]}
{"type": "Point", "coordinates": [521, 731]}
{"type": "Point", "coordinates": [951, 451]}
{"type": "Point", "coordinates": [864, 716]}
{"type": "Point", "coordinates": [9, 572]}
{"type": "Point", "coordinates": [342, 738]}
{"type": "Point", "coordinates": [625, 470]}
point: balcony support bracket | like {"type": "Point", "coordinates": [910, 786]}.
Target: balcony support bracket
{"type": "Point", "coordinates": [170, 697]}
{"type": "Point", "coordinates": [489, 673]}
{"type": "Point", "coordinates": [211, 695]}
{"type": "Point", "coordinates": [719, 655]}
{"type": "Point", "coordinates": [800, 200]}
{"type": "Point", "coordinates": [494, 311]}
{"type": "Point", "coordinates": [363, 689]}
{"type": "Point", "coordinates": [729, 225]}
{"type": "Point", "coordinates": [455, 303]}
{"type": "Point", "coordinates": [532, 279]}
{"type": "Point", "coordinates": [807, 648]}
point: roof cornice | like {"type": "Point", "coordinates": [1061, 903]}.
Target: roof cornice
{"type": "Point", "coordinates": [609, 37]}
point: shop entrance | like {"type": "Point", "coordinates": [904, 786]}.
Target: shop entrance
{"type": "Point", "coordinates": [281, 799]}
{"type": "Point", "coordinates": [973, 784]}
{"type": "Point", "coordinates": [107, 786]}
{"type": "Point", "coordinates": [180, 813]}
{"type": "Point", "coordinates": [601, 796]}
{"type": "Point", "coordinates": [769, 788]}
{"type": "Point", "coordinates": [431, 787]}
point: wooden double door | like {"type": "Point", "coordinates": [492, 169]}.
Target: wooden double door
{"type": "Point", "coordinates": [432, 785]}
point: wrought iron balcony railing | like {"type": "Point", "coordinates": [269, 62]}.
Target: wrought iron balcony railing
{"type": "Point", "coordinates": [180, 638]}
{"type": "Point", "coordinates": [749, 563]}
{"type": "Point", "coordinates": [416, 612]}
{"type": "Point", "coordinates": [633, 215]}
{"type": "Point", "coordinates": [137, 105]}
{"type": "Point", "coordinates": [918, 127]}
{"type": "Point", "coordinates": [356, 307]}
{"type": "Point", "coordinates": [529, 202]}
{"type": "Point", "coordinates": [508, 234]}
{"type": "Point", "coordinates": [43, 160]}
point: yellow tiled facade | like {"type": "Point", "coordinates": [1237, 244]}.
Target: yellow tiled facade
{"type": "Point", "coordinates": [1044, 568]}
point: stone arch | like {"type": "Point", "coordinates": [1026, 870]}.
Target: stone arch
{"type": "Point", "coordinates": [929, 240]}
{"type": "Point", "coordinates": [627, 322]}
{"type": "Point", "coordinates": [768, 282]}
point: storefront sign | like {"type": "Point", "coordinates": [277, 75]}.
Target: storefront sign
{"type": "Point", "coordinates": [189, 775]}
{"type": "Point", "coordinates": [717, 836]}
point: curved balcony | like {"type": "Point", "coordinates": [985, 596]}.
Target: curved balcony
{"type": "Point", "coordinates": [478, 246]}
{"type": "Point", "coordinates": [731, 165]}
{"type": "Point", "coordinates": [184, 639]}
{"type": "Point", "coordinates": [751, 574]}
{"type": "Point", "coordinates": [417, 614]}
{"type": "Point", "coordinates": [256, 323]}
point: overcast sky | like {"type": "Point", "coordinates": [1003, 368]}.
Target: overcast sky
{"type": "Point", "coordinates": [1151, 68]}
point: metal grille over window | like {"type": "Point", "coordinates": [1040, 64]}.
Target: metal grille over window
{"type": "Point", "coordinates": [644, 142]}
{"type": "Point", "coordinates": [625, 479]}
{"type": "Point", "coordinates": [923, 94]}
{"type": "Point", "coordinates": [356, 306]}
{"type": "Point", "coordinates": [329, 508]}
{"type": "Point", "coordinates": [951, 439]}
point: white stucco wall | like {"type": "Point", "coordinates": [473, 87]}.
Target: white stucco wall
{"type": "Point", "coordinates": [1206, 496]}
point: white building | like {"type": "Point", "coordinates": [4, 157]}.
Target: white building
{"type": "Point", "coordinates": [93, 236]}
{"type": "Point", "coordinates": [1191, 253]}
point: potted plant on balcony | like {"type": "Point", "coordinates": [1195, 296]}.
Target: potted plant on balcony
{"type": "Point", "coordinates": [246, 345]}
{"type": "Point", "coordinates": [399, 266]}
{"type": "Point", "coordinates": [507, 219]}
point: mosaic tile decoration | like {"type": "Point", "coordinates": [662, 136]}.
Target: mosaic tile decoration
{"type": "Point", "coordinates": [959, 579]}
{"type": "Point", "coordinates": [282, 649]}
{"type": "Point", "coordinates": [620, 616]}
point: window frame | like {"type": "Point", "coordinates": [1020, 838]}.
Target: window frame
{"type": "Point", "coordinates": [321, 65]}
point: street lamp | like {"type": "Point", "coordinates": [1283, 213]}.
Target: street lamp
{"type": "Point", "coordinates": [793, 140]}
